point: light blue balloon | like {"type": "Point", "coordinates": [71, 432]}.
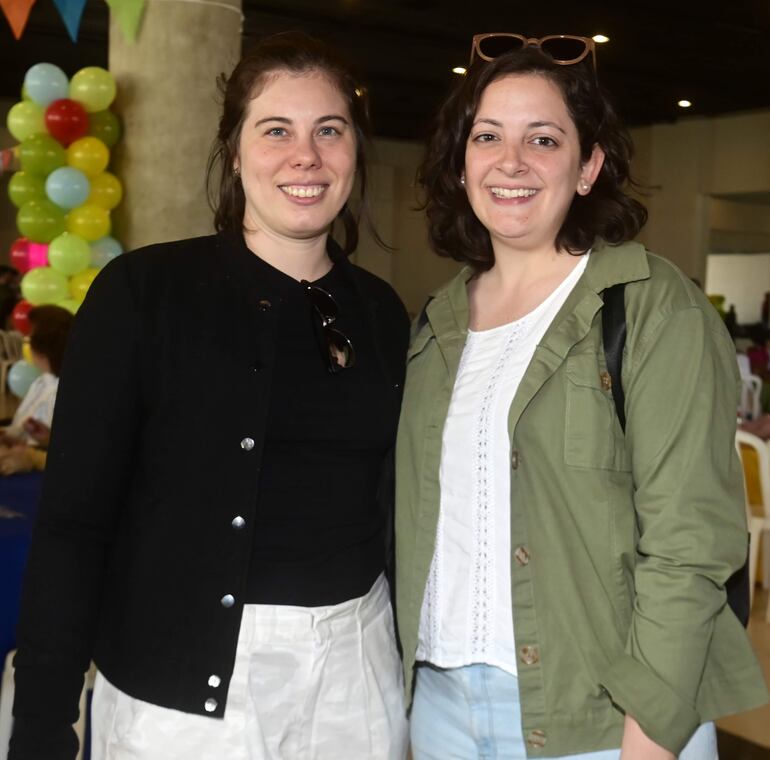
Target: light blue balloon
{"type": "Point", "coordinates": [20, 376]}
{"type": "Point", "coordinates": [67, 187]}
{"type": "Point", "coordinates": [45, 83]}
{"type": "Point", "coordinates": [104, 250]}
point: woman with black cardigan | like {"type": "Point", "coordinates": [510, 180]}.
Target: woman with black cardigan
{"type": "Point", "coordinates": [214, 519]}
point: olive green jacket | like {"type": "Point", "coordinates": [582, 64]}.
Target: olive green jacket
{"type": "Point", "coordinates": [620, 544]}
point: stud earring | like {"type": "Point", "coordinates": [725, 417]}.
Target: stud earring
{"type": "Point", "coordinates": [585, 187]}
{"type": "Point", "coordinates": [237, 171]}
{"type": "Point", "coordinates": [462, 179]}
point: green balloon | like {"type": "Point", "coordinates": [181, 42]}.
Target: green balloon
{"type": "Point", "coordinates": [44, 285]}
{"type": "Point", "coordinates": [93, 87]}
{"type": "Point", "coordinates": [23, 187]}
{"type": "Point", "coordinates": [40, 221]}
{"type": "Point", "coordinates": [26, 119]}
{"type": "Point", "coordinates": [69, 254]}
{"type": "Point", "coordinates": [41, 154]}
{"type": "Point", "coordinates": [106, 126]}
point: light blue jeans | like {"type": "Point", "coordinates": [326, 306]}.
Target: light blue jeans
{"type": "Point", "coordinates": [473, 713]}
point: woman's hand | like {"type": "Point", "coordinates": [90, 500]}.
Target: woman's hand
{"type": "Point", "coordinates": [15, 459]}
{"type": "Point", "coordinates": [637, 746]}
{"type": "Point", "coordinates": [6, 439]}
{"type": "Point", "coordinates": [37, 430]}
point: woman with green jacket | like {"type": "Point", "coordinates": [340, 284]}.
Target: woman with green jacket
{"type": "Point", "coordinates": [560, 579]}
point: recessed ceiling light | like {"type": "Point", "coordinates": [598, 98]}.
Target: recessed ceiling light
{"type": "Point", "coordinates": [684, 103]}
{"type": "Point", "coordinates": [459, 70]}
{"type": "Point", "coordinates": [600, 38]}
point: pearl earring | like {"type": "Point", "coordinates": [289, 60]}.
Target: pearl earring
{"type": "Point", "coordinates": [462, 180]}
{"type": "Point", "coordinates": [585, 186]}
{"type": "Point", "coordinates": [237, 171]}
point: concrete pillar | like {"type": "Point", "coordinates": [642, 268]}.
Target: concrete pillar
{"type": "Point", "coordinates": [169, 105]}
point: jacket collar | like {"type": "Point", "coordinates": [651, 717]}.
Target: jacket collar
{"type": "Point", "coordinates": [448, 315]}
{"type": "Point", "coordinates": [607, 265]}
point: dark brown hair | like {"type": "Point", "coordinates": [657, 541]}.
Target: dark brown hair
{"type": "Point", "coordinates": [297, 53]}
{"type": "Point", "coordinates": [607, 211]}
{"type": "Point", "coordinates": [50, 327]}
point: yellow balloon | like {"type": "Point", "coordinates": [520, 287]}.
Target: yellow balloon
{"type": "Point", "coordinates": [89, 221]}
{"type": "Point", "coordinates": [26, 351]}
{"type": "Point", "coordinates": [81, 282]}
{"type": "Point", "coordinates": [90, 155]}
{"type": "Point", "coordinates": [70, 304]}
{"type": "Point", "coordinates": [106, 191]}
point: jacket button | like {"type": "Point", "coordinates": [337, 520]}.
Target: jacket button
{"type": "Point", "coordinates": [536, 738]}
{"type": "Point", "coordinates": [214, 681]}
{"type": "Point", "coordinates": [515, 459]}
{"type": "Point", "coordinates": [238, 522]}
{"type": "Point", "coordinates": [247, 444]}
{"type": "Point", "coordinates": [606, 381]}
{"type": "Point", "coordinates": [228, 600]}
{"type": "Point", "coordinates": [529, 655]}
{"type": "Point", "coordinates": [522, 555]}
{"type": "Point", "coordinates": [210, 705]}
{"type": "Point", "coordinates": [264, 305]}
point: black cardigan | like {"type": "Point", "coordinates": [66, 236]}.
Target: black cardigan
{"type": "Point", "coordinates": [165, 386]}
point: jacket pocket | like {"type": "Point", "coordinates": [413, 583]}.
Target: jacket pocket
{"type": "Point", "coordinates": [592, 436]}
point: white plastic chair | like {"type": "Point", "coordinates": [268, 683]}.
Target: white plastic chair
{"type": "Point", "coordinates": [757, 514]}
{"type": "Point", "coordinates": [6, 708]}
{"type": "Point", "coordinates": [751, 391]}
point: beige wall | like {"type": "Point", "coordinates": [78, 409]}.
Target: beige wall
{"type": "Point", "coordinates": [742, 279]}
{"type": "Point", "coordinates": [709, 186]}
{"type": "Point", "coordinates": [412, 268]}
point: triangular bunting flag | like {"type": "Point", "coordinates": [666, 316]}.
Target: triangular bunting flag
{"type": "Point", "coordinates": [128, 14]}
{"type": "Point", "coordinates": [71, 12]}
{"type": "Point", "coordinates": [17, 13]}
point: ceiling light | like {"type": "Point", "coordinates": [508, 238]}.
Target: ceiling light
{"type": "Point", "coordinates": [684, 103]}
{"type": "Point", "coordinates": [600, 38]}
{"type": "Point", "coordinates": [459, 70]}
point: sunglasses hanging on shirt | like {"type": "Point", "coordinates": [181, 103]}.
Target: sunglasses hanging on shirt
{"type": "Point", "coordinates": [338, 351]}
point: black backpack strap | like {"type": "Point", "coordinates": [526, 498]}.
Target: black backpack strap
{"type": "Point", "coordinates": [614, 339]}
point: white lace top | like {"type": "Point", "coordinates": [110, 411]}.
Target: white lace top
{"type": "Point", "coordinates": [467, 615]}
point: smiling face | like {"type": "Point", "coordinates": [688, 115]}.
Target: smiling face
{"type": "Point", "coordinates": [523, 164]}
{"type": "Point", "coordinates": [296, 157]}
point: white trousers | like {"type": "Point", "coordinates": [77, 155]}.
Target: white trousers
{"type": "Point", "coordinates": [310, 683]}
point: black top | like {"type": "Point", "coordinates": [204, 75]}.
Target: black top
{"type": "Point", "coordinates": [137, 560]}
{"type": "Point", "coordinates": [318, 529]}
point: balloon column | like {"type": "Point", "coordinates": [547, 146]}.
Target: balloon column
{"type": "Point", "coordinates": [63, 191]}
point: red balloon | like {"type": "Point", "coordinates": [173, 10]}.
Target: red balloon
{"type": "Point", "coordinates": [20, 317]}
{"type": "Point", "coordinates": [66, 120]}
{"type": "Point", "coordinates": [19, 254]}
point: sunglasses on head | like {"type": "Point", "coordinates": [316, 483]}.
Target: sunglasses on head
{"type": "Point", "coordinates": [338, 350]}
{"type": "Point", "coordinates": [563, 49]}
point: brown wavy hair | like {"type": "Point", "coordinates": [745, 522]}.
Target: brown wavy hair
{"type": "Point", "coordinates": [296, 53]}
{"type": "Point", "coordinates": [607, 211]}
